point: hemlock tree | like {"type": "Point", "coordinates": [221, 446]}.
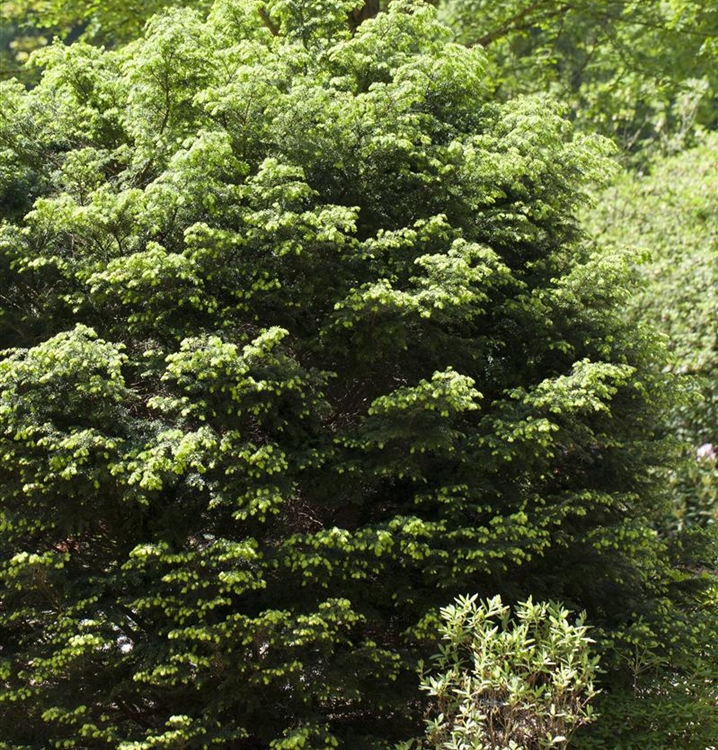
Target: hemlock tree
{"type": "Point", "coordinates": [301, 341]}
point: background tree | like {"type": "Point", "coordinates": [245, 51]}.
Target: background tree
{"type": "Point", "coordinates": [641, 72]}
{"type": "Point", "coordinates": [109, 21]}
{"type": "Point", "coordinates": [17, 42]}
{"type": "Point", "coordinates": [668, 215]}
{"type": "Point", "coordinates": [302, 339]}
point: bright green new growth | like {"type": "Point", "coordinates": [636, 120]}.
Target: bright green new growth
{"type": "Point", "coordinates": [301, 340]}
{"type": "Point", "coordinates": [503, 680]}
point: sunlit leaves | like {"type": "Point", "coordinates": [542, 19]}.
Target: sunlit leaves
{"type": "Point", "coordinates": [642, 73]}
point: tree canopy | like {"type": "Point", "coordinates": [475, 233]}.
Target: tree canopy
{"type": "Point", "coordinates": [302, 339]}
{"type": "Point", "coordinates": [643, 73]}
{"type": "Point", "coordinates": [106, 21]}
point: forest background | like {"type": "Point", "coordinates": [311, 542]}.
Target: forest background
{"type": "Point", "coordinates": [480, 357]}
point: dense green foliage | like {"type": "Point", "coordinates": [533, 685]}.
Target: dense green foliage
{"type": "Point", "coordinates": [106, 21]}
{"type": "Point", "coordinates": [643, 73]}
{"type": "Point", "coordinates": [302, 339]}
{"type": "Point", "coordinates": [669, 215]}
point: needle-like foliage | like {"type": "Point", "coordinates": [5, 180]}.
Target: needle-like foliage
{"type": "Point", "coordinates": [301, 339]}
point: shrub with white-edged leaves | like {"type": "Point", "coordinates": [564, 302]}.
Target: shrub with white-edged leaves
{"type": "Point", "coordinates": [518, 679]}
